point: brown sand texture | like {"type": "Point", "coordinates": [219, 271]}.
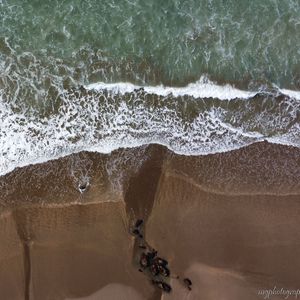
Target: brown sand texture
{"type": "Point", "coordinates": [229, 222]}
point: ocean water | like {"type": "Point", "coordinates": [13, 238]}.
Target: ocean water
{"type": "Point", "coordinates": [197, 76]}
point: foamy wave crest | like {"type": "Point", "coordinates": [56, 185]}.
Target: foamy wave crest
{"type": "Point", "coordinates": [291, 93]}
{"type": "Point", "coordinates": [203, 88]}
{"type": "Point", "coordinates": [122, 115]}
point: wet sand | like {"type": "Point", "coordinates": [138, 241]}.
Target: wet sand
{"type": "Point", "coordinates": [227, 221]}
{"type": "Point", "coordinates": [230, 245]}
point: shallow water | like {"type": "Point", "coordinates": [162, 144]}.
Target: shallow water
{"type": "Point", "coordinates": [199, 77]}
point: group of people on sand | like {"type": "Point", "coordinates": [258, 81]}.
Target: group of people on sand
{"type": "Point", "coordinates": [154, 266]}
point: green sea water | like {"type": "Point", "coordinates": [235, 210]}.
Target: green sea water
{"type": "Point", "coordinates": [152, 41]}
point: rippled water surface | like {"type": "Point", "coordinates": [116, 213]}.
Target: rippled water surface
{"type": "Point", "coordinates": [197, 76]}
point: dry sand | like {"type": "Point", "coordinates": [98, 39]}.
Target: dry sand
{"type": "Point", "coordinates": [227, 221]}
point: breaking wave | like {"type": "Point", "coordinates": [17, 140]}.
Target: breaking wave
{"type": "Point", "coordinates": [203, 88]}
{"type": "Point", "coordinates": [198, 119]}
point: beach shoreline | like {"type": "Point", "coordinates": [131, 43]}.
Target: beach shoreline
{"type": "Point", "coordinates": [228, 221]}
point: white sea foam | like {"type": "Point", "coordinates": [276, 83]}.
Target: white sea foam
{"type": "Point", "coordinates": [203, 88]}
{"type": "Point", "coordinates": [291, 93]}
{"type": "Point", "coordinates": [108, 123]}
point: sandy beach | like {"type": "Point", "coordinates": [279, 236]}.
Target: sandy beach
{"type": "Point", "coordinates": [227, 221]}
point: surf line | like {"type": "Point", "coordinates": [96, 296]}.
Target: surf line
{"type": "Point", "coordinates": [203, 88]}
